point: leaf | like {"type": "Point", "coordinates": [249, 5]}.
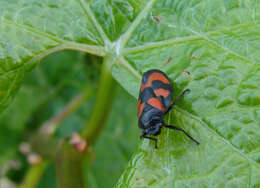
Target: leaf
{"type": "Point", "coordinates": [216, 41]}
{"type": "Point", "coordinates": [119, 135]}
{"type": "Point", "coordinates": [218, 44]}
{"type": "Point", "coordinates": [30, 30]}
{"type": "Point", "coordinates": [61, 80]}
{"type": "Point", "coordinates": [34, 103]}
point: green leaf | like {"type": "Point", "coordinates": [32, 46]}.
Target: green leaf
{"type": "Point", "coordinates": [119, 135]}
{"type": "Point", "coordinates": [41, 97]}
{"type": "Point", "coordinates": [30, 30]}
{"type": "Point", "coordinates": [216, 41]}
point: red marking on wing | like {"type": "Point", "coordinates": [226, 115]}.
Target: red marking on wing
{"type": "Point", "coordinates": [155, 76]}
{"type": "Point", "coordinates": [156, 103]}
{"type": "Point", "coordinates": [140, 108]}
{"type": "Point", "coordinates": [143, 86]}
{"type": "Point", "coordinates": [162, 92]}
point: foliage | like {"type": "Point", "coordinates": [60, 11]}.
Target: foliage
{"type": "Point", "coordinates": [62, 75]}
{"type": "Point", "coordinates": [46, 84]}
{"type": "Point", "coordinates": [211, 47]}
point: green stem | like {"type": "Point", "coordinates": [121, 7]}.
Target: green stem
{"type": "Point", "coordinates": [51, 125]}
{"type": "Point", "coordinates": [69, 163]}
{"type": "Point", "coordinates": [69, 169]}
{"type": "Point", "coordinates": [103, 104]}
{"type": "Point", "coordinates": [41, 142]}
{"type": "Point", "coordinates": [33, 175]}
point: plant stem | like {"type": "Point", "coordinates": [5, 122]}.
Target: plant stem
{"type": "Point", "coordinates": [102, 106]}
{"type": "Point", "coordinates": [49, 127]}
{"type": "Point", "coordinates": [35, 172]}
{"type": "Point", "coordinates": [68, 160]}
{"type": "Point", "coordinates": [69, 163]}
{"type": "Point", "coordinates": [33, 175]}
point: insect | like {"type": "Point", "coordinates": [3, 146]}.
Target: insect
{"type": "Point", "coordinates": [154, 102]}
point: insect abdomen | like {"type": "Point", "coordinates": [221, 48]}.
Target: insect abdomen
{"type": "Point", "coordinates": [156, 91]}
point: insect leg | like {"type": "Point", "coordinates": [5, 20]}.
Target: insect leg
{"type": "Point", "coordinates": [150, 138]}
{"type": "Point", "coordinates": [180, 129]}
{"type": "Point", "coordinates": [178, 98]}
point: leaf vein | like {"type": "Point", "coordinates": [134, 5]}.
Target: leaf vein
{"type": "Point", "coordinates": [126, 64]}
{"type": "Point", "coordinates": [178, 40]}
{"type": "Point", "coordinates": [125, 37]}
{"type": "Point", "coordinates": [90, 13]}
{"type": "Point", "coordinates": [220, 137]}
{"type": "Point", "coordinates": [249, 174]}
{"type": "Point", "coordinates": [32, 30]}
{"type": "Point", "coordinates": [52, 50]}
{"type": "Point", "coordinates": [64, 44]}
{"type": "Point", "coordinates": [228, 50]}
{"type": "Point", "coordinates": [9, 89]}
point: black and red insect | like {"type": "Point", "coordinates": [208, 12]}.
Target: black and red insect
{"type": "Point", "coordinates": [154, 102]}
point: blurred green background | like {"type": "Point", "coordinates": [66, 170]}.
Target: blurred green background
{"type": "Point", "coordinates": [47, 90]}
